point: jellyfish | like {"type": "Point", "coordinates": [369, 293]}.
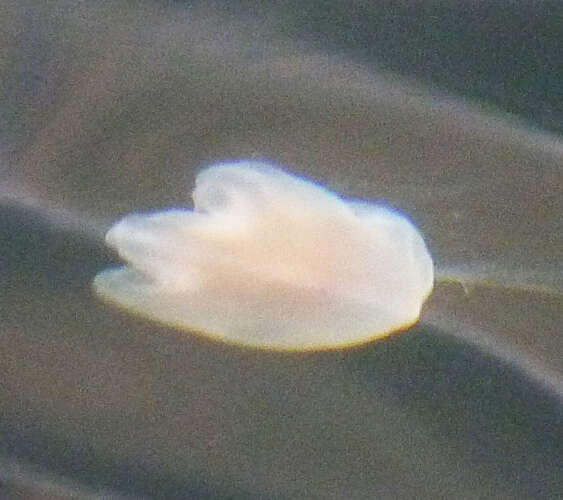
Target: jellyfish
{"type": "Point", "coordinates": [271, 260]}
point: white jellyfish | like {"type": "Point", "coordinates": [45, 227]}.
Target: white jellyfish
{"type": "Point", "coordinates": [271, 260]}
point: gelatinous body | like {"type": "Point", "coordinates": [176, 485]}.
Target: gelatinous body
{"type": "Point", "coordinates": [271, 260]}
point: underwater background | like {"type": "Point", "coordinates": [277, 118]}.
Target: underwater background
{"type": "Point", "coordinates": [448, 113]}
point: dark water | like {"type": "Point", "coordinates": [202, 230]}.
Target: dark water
{"type": "Point", "coordinates": [116, 402]}
{"type": "Point", "coordinates": [106, 110]}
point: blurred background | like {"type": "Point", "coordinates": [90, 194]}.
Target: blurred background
{"type": "Point", "coordinates": [449, 111]}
